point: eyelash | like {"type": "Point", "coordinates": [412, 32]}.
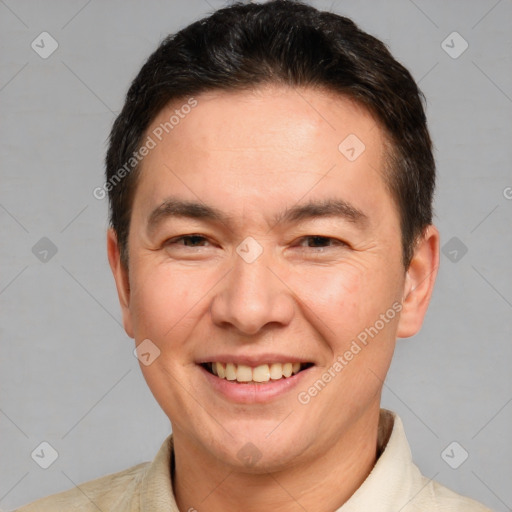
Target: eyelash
{"type": "Point", "coordinates": [337, 242]}
{"type": "Point", "coordinates": [174, 241]}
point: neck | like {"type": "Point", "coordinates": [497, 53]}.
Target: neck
{"type": "Point", "coordinates": [322, 481]}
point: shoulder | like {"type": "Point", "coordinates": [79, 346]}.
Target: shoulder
{"type": "Point", "coordinates": [398, 476]}
{"type": "Point", "coordinates": [441, 499]}
{"type": "Point", "coordinates": [103, 493]}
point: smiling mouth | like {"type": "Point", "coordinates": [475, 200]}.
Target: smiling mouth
{"type": "Point", "coordinates": [260, 374]}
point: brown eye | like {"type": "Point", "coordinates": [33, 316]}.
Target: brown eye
{"type": "Point", "coordinates": [317, 241]}
{"type": "Point", "coordinates": [193, 240]}
{"type": "Point", "coordinates": [188, 241]}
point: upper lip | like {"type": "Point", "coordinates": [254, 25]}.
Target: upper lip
{"type": "Point", "coordinates": [253, 360]}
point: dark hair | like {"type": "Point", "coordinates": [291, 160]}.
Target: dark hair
{"type": "Point", "coordinates": [290, 43]}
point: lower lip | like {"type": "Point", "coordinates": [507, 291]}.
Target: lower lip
{"type": "Point", "coordinates": [253, 393]}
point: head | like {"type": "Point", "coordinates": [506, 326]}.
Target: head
{"type": "Point", "coordinates": [270, 181]}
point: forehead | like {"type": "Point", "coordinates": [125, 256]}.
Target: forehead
{"type": "Point", "coordinates": [259, 147]}
{"type": "Point", "coordinates": [300, 119]}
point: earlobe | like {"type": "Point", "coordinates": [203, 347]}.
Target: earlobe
{"type": "Point", "coordinates": [419, 283]}
{"type": "Point", "coordinates": [120, 273]}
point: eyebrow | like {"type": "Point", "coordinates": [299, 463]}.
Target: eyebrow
{"type": "Point", "coordinates": [324, 208]}
{"type": "Point", "coordinates": [173, 207]}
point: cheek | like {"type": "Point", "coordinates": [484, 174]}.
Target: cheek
{"type": "Point", "coordinates": [165, 300]}
{"type": "Point", "coordinates": [341, 302]}
{"type": "Point", "coordinates": [332, 293]}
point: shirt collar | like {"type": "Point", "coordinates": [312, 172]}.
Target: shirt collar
{"type": "Point", "coordinates": [394, 480]}
{"type": "Point", "coordinates": [392, 483]}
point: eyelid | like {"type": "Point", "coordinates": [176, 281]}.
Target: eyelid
{"type": "Point", "coordinates": [327, 238]}
{"type": "Point", "coordinates": [332, 241]}
{"type": "Point", "coordinates": [175, 239]}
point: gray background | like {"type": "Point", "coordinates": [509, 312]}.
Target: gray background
{"type": "Point", "coordinates": [67, 372]}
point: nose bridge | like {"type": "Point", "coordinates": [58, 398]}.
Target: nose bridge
{"type": "Point", "coordinates": [251, 296]}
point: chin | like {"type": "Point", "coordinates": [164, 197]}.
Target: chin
{"type": "Point", "coordinates": [260, 450]}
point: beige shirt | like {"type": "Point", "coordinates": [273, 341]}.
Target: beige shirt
{"type": "Point", "coordinates": [395, 484]}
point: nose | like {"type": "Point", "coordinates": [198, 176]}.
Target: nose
{"type": "Point", "coordinates": [252, 298]}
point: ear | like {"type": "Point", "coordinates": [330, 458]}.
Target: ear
{"type": "Point", "coordinates": [121, 277]}
{"type": "Point", "coordinates": [419, 283]}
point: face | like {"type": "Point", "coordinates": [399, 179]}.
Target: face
{"type": "Point", "coordinates": [260, 244]}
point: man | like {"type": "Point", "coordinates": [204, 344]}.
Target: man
{"type": "Point", "coordinates": [270, 181]}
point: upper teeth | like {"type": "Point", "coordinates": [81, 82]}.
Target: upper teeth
{"type": "Point", "coordinates": [261, 373]}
